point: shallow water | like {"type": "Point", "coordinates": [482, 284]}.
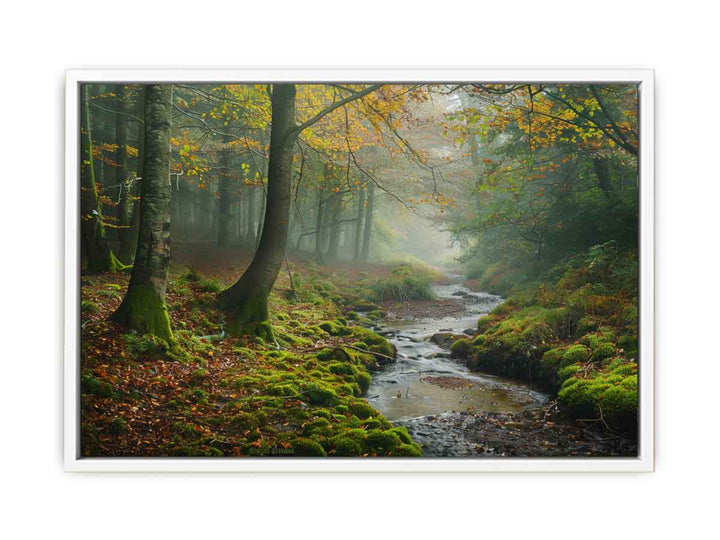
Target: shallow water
{"type": "Point", "coordinates": [402, 391]}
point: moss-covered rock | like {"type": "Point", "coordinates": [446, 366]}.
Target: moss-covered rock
{"type": "Point", "coordinates": [382, 441]}
{"type": "Point", "coordinates": [362, 410]}
{"type": "Point", "coordinates": [308, 448]}
{"type": "Point", "coordinates": [406, 450]}
{"type": "Point", "coordinates": [318, 394]}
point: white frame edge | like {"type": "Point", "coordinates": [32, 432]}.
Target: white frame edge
{"type": "Point", "coordinates": [643, 463]}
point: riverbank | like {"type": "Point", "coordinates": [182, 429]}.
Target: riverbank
{"type": "Point", "coordinates": [575, 333]}
{"type": "Point", "coordinates": [455, 412]}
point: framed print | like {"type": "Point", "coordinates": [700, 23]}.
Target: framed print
{"type": "Point", "coordinates": [359, 270]}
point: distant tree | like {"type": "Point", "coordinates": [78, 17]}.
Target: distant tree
{"type": "Point", "coordinates": [95, 248]}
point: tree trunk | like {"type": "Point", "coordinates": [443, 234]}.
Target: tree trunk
{"type": "Point", "coordinates": [368, 222]}
{"type": "Point", "coordinates": [358, 224]}
{"type": "Point", "coordinates": [250, 223]}
{"type": "Point", "coordinates": [143, 308]}
{"type": "Point", "coordinates": [128, 240]}
{"type": "Point", "coordinates": [602, 172]}
{"type": "Point", "coordinates": [319, 220]}
{"type": "Point", "coordinates": [95, 247]}
{"type": "Point", "coordinates": [335, 227]}
{"type": "Point", "coordinates": [122, 177]}
{"type": "Point", "coordinates": [247, 300]}
{"type": "Point", "coordinates": [261, 218]}
{"type": "Point", "coordinates": [225, 188]}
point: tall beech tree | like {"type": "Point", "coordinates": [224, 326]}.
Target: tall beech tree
{"type": "Point", "coordinates": [247, 300]}
{"type": "Point", "coordinates": [128, 209]}
{"type": "Point", "coordinates": [143, 308]}
{"type": "Point", "coordinates": [95, 248]}
{"type": "Point", "coordinates": [225, 192]}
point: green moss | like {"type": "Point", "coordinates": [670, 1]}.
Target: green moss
{"type": "Point", "coordinates": [88, 306]}
{"type": "Point", "coordinates": [345, 446]}
{"type": "Point", "coordinates": [402, 433]}
{"type": "Point", "coordinates": [407, 450]}
{"type": "Point", "coordinates": [144, 311]}
{"type": "Point", "coordinates": [484, 323]}
{"type": "Point", "coordinates": [317, 426]}
{"type": "Point", "coordinates": [340, 368]}
{"type": "Point", "coordinates": [91, 385]}
{"type": "Point", "coordinates": [337, 353]}
{"type": "Point", "coordinates": [117, 426]}
{"type": "Point", "coordinates": [322, 413]}
{"type": "Point", "coordinates": [197, 395]}
{"type": "Point", "coordinates": [461, 347]}
{"type": "Point", "coordinates": [376, 315]}
{"type": "Point", "coordinates": [363, 380]}
{"type": "Point", "coordinates": [308, 447]}
{"type": "Point", "coordinates": [318, 394]}
{"type": "Point", "coordinates": [629, 369]}
{"type": "Point", "coordinates": [382, 441]}
{"type": "Point", "coordinates": [362, 409]}
{"type": "Point", "coordinates": [286, 389]}
{"type": "Point", "coordinates": [575, 354]}
{"type": "Point", "coordinates": [603, 351]}
{"type": "Point", "coordinates": [210, 286]}
{"type": "Point", "coordinates": [335, 328]}
{"type": "Point", "coordinates": [568, 371]}
{"type": "Point", "coordinates": [244, 421]}
{"type": "Point", "coordinates": [199, 376]}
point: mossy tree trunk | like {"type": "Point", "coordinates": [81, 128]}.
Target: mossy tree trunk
{"type": "Point", "coordinates": [247, 300]}
{"type": "Point", "coordinates": [95, 248]}
{"type": "Point", "coordinates": [143, 308]}
{"type": "Point", "coordinates": [368, 222]}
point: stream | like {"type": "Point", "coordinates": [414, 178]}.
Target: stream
{"type": "Point", "coordinates": [451, 411]}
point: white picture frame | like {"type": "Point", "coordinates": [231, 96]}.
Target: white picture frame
{"type": "Point", "coordinates": [644, 462]}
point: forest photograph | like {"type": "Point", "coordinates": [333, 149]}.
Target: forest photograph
{"type": "Point", "coordinates": [288, 270]}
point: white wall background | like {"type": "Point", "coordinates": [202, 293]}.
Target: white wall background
{"type": "Point", "coordinates": [39, 41]}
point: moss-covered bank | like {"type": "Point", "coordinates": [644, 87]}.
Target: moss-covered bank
{"type": "Point", "coordinates": [575, 332]}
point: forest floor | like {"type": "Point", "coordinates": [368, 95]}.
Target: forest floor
{"type": "Point", "coordinates": [217, 395]}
